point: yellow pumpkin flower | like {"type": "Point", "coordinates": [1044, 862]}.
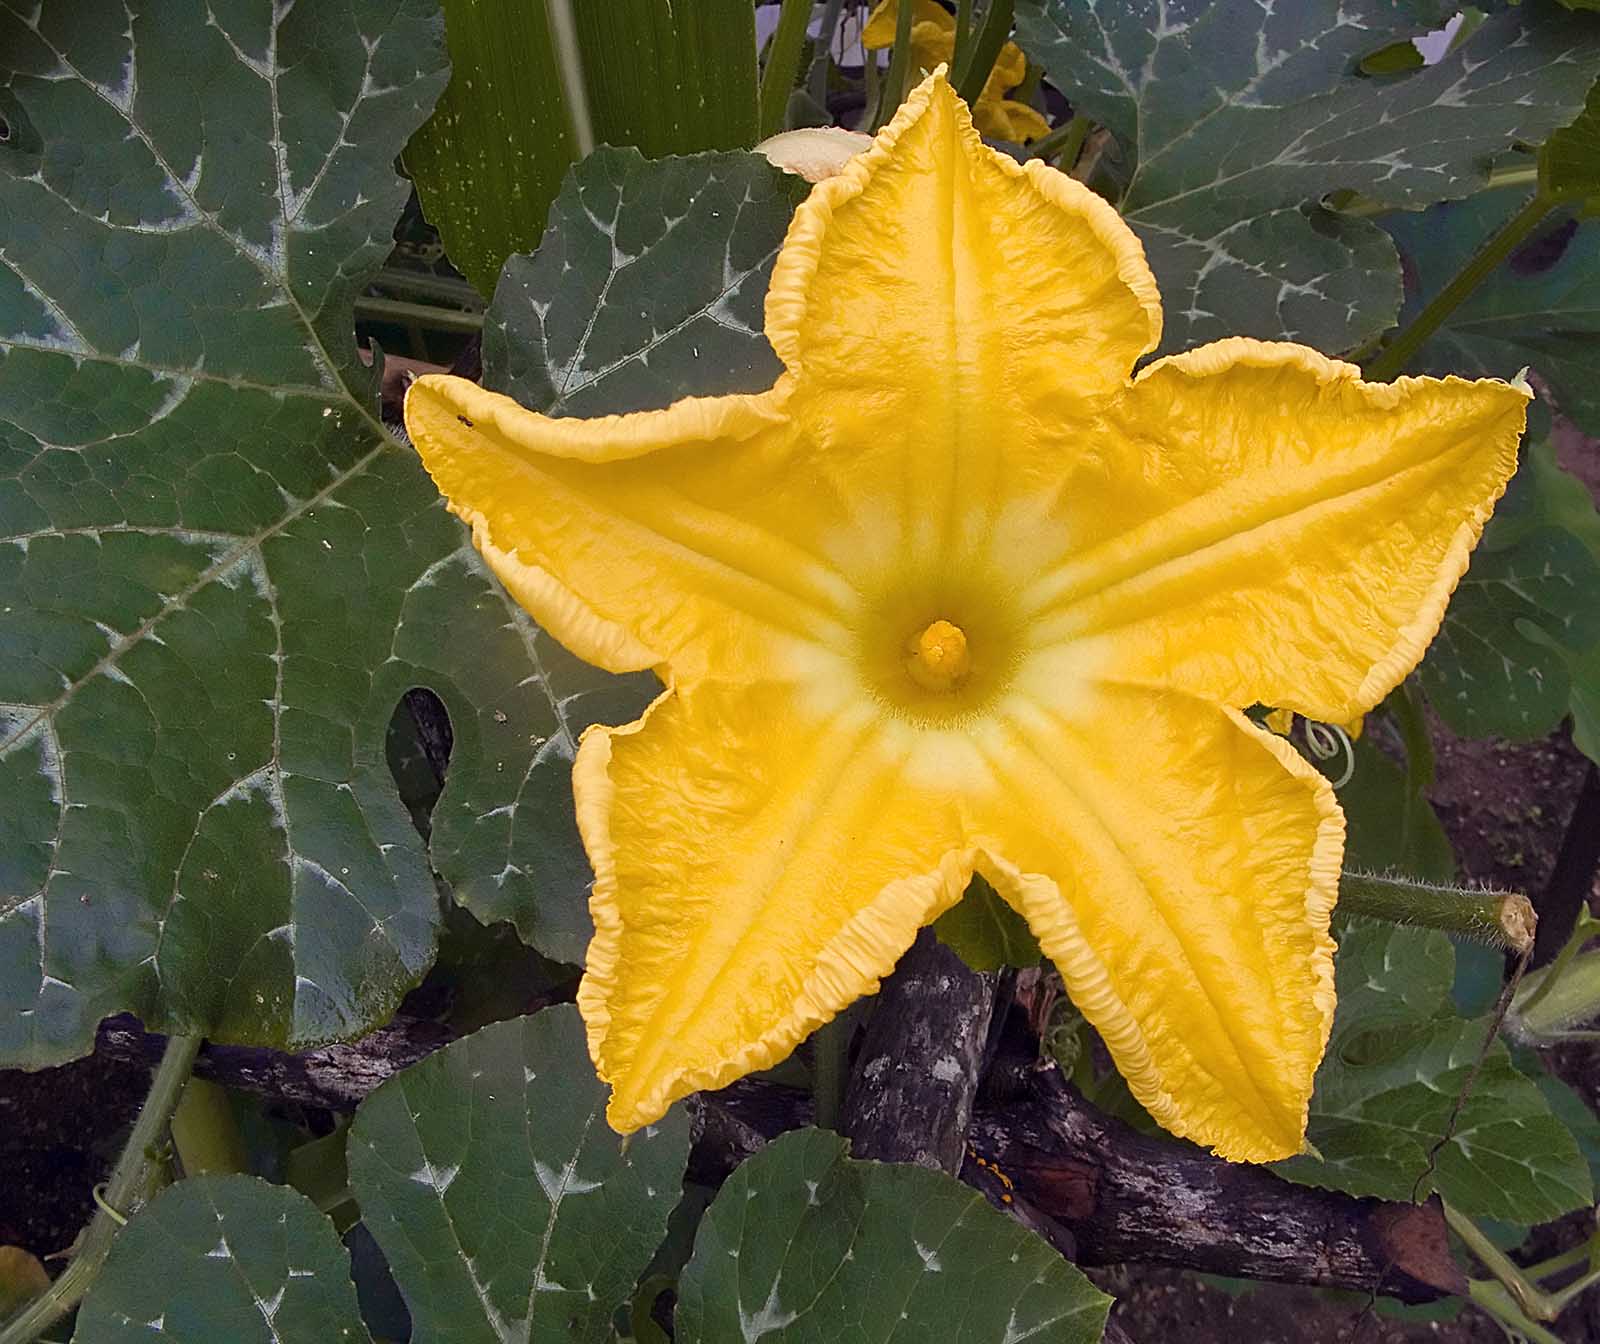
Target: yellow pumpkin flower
{"type": "Point", "coordinates": [933, 43]}
{"type": "Point", "coordinates": [957, 594]}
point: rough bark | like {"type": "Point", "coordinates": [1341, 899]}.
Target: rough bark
{"type": "Point", "coordinates": [1090, 1185]}
{"type": "Point", "coordinates": [915, 1079]}
{"type": "Point", "coordinates": [1126, 1196]}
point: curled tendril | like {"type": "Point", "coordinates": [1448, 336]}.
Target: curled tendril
{"type": "Point", "coordinates": [1326, 741]}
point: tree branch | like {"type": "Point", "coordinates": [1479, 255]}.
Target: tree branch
{"type": "Point", "coordinates": [1088, 1184]}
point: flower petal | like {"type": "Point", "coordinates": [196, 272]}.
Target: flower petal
{"type": "Point", "coordinates": [640, 539]}
{"type": "Point", "coordinates": [938, 283]}
{"type": "Point", "coordinates": [757, 868]}
{"type": "Point", "coordinates": [1257, 524]}
{"type": "Point", "coordinates": [1179, 865]}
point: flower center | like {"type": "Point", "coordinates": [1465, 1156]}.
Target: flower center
{"type": "Point", "coordinates": [938, 658]}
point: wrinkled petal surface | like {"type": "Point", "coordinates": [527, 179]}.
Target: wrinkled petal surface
{"type": "Point", "coordinates": [959, 595]}
{"type": "Point", "coordinates": [757, 868]}
{"type": "Point", "coordinates": [1255, 524]}
{"type": "Point", "coordinates": [1179, 866]}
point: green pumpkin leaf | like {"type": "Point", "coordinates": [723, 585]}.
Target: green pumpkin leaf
{"type": "Point", "coordinates": [1389, 828]}
{"type": "Point", "coordinates": [224, 1258]}
{"type": "Point", "coordinates": [1569, 161]}
{"type": "Point", "coordinates": [806, 1245]}
{"type": "Point", "coordinates": [985, 932]}
{"type": "Point", "coordinates": [1537, 310]}
{"type": "Point", "coordinates": [1498, 666]}
{"type": "Point", "coordinates": [649, 286]}
{"type": "Point", "coordinates": [219, 572]}
{"type": "Point", "coordinates": [507, 1208]}
{"type": "Point", "coordinates": [1396, 1062]}
{"type": "Point", "coordinates": [669, 79]}
{"type": "Point", "coordinates": [1239, 117]}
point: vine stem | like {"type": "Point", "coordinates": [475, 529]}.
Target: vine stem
{"type": "Point", "coordinates": [1531, 1300]}
{"type": "Point", "coordinates": [569, 66]}
{"type": "Point", "coordinates": [132, 1181]}
{"type": "Point", "coordinates": [1393, 358]}
{"type": "Point", "coordinates": [893, 92]}
{"type": "Point", "coordinates": [829, 1062]}
{"type": "Point", "coordinates": [783, 65]}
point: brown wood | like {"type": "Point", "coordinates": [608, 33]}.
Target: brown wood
{"type": "Point", "coordinates": [915, 1079]}
{"type": "Point", "coordinates": [1094, 1188]}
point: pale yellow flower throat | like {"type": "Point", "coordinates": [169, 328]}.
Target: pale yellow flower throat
{"type": "Point", "coordinates": [938, 658]}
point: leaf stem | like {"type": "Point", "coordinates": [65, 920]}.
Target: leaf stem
{"type": "Point", "coordinates": [1358, 206]}
{"type": "Point", "coordinates": [1542, 982]}
{"type": "Point", "coordinates": [963, 32]}
{"type": "Point", "coordinates": [830, 1046]}
{"type": "Point", "coordinates": [783, 65]}
{"type": "Point", "coordinates": [1062, 145]}
{"type": "Point", "coordinates": [817, 78]}
{"type": "Point", "coordinates": [1502, 919]}
{"type": "Point", "coordinates": [135, 1177]}
{"type": "Point", "coordinates": [972, 69]}
{"type": "Point", "coordinates": [1394, 357]}
{"type": "Point", "coordinates": [893, 92]}
{"type": "Point", "coordinates": [569, 63]}
{"type": "Point", "coordinates": [1530, 1299]}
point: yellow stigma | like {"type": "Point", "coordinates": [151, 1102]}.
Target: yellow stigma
{"type": "Point", "coordinates": [938, 658]}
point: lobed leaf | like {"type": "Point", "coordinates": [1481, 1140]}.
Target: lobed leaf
{"type": "Point", "coordinates": [805, 1244]}
{"type": "Point", "coordinates": [1240, 117]}
{"type": "Point", "coordinates": [507, 1208]}
{"type": "Point", "coordinates": [218, 570]}
{"type": "Point", "coordinates": [1396, 1062]}
{"type": "Point", "coordinates": [224, 1258]}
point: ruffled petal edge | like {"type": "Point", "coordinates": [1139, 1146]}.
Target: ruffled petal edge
{"type": "Point", "coordinates": [1412, 639]}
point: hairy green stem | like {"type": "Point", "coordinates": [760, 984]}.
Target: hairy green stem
{"type": "Point", "coordinates": [783, 65]}
{"type": "Point", "coordinates": [569, 63]}
{"type": "Point", "coordinates": [893, 91]}
{"type": "Point", "coordinates": [1393, 358]}
{"type": "Point", "coordinates": [1502, 919]}
{"type": "Point", "coordinates": [1542, 981]}
{"type": "Point", "coordinates": [972, 70]}
{"type": "Point", "coordinates": [133, 1180]}
{"type": "Point", "coordinates": [425, 315]}
{"type": "Point", "coordinates": [1063, 144]}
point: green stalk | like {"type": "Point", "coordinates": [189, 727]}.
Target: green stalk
{"type": "Point", "coordinates": [963, 32]}
{"type": "Point", "coordinates": [894, 84]}
{"type": "Point", "coordinates": [1062, 145]}
{"type": "Point", "coordinates": [817, 79]}
{"type": "Point", "coordinates": [1566, 995]}
{"type": "Point", "coordinates": [424, 315]}
{"type": "Point", "coordinates": [1531, 1300]}
{"type": "Point", "coordinates": [1502, 919]}
{"type": "Point", "coordinates": [569, 60]}
{"type": "Point", "coordinates": [1406, 706]}
{"type": "Point", "coordinates": [1393, 358]}
{"type": "Point", "coordinates": [830, 1047]}
{"type": "Point", "coordinates": [1364, 207]}
{"type": "Point", "coordinates": [972, 71]}
{"type": "Point", "coordinates": [1542, 981]}
{"type": "Point", "coordinates": [134, 1179]}
{"type": "Point", "coordinates": [783, 65]}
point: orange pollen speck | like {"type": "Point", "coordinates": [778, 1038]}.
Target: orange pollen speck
{"type": "Point", "coordinates": [939, 660]}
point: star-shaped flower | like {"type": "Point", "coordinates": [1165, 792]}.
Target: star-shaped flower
{"type": "Point", "coordinates": [958, 595]}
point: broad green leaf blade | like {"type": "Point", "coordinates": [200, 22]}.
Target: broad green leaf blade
{"type": "Point", "coordinates": [650, 286]}
{"type": "Point", "coordinates": [1240, 116]}
{"type": "Point", "coordinates": [1498, 666]}
{"type": "Point", "coordinates": [1569, 161]}
{"type": "Point", "coordinates": [806, 1246]}
{"type": "Point", "coordinates": [218, 571]}
{"type": "Point", "coordinates": [507, 1209]}
{"type": "Point", "coordinates": [1396, 1062]}
{"type": "Point", "coordinates": [670, 78]}
{"type": "Point", "coordinates": [1389, 828]}
{"type": "Point", "coordinates": [985, 932]}
{"type": "Point", "coordinates": [1542, 308]}
{"type": "Point", "coordinates": [228, 1258]}
{"type": "Point", "coordinates": [489, 160]}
